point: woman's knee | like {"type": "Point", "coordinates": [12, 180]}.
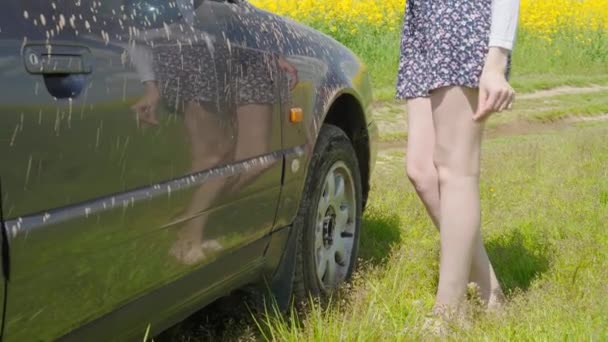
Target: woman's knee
{"type": "Point", "coordinates": [422, 175]}
{"type": "Point", "coordinates": [451, 167]}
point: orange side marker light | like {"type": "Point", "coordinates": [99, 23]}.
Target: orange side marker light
{"type": "Point", "coordinates": [296, 115]}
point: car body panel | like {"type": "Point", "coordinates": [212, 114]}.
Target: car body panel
{"type": "Point", "coordinates": [101, 209]}
{"type": "Point", "coordinates": [326, 70]}
{"type": "Point", "coordinates": [131, 321]}
{"type": "Point", "coordinates": [96, 202]}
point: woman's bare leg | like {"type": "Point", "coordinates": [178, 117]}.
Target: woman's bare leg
{"type": "Point", "coordinates": [205, 135]}
{"type": "Point", "coordinates": [457, 158]}
{"type": "Point", "coordinates": [421, 168]}
{"type": "Point", "coordinates": [253, 138]}
{"type": "Point", "coordinates": [482, 274]}
{"type": "Point", "coordinates": [424, 176]}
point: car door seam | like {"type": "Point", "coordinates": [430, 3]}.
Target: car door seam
{"type": "Point", "coordinates": [5, 263]}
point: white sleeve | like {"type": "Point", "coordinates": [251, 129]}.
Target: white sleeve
{"type": "Point", "coordinates": [141, 54]}
{"type": "Point", "coordinates": [142, 60]}
{"type": "Point", "coordinates": [505, 16]}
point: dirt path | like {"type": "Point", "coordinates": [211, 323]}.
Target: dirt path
{"type": "Point", "coordinates": [392, 119]}
{"type": "Point", "coordinates": [562, 91]}
{"type": "Point", "coordinates": [517, 127]}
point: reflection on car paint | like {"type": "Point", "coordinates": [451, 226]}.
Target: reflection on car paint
{"type": "Point", "coordinates": [103, 205]}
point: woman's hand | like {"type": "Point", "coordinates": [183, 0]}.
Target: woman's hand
{"type": "Point", "coordinates": [495, 93]}
{"type": "Point", "coordinates": [290, 70]}
{"type": "Point", "coordinates": [145, 108]}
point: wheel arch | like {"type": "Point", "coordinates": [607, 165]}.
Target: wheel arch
{"type": "Point", "coordinates": [347, 113]}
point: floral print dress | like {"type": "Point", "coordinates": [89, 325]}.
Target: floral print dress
{"type": "Point", "coordinates": [444, 43]}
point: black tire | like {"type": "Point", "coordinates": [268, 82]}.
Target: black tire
{"type": "Point", "coordinates": [333, 146]}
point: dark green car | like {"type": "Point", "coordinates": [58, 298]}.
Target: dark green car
{"type": "Point", "coordinates": [157, 155]}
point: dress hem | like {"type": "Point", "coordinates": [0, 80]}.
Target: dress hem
{"type": "Point", "coordinates": [435, 87]}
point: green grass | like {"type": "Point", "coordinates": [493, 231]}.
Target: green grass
{"type": "Point", "coordinates": [545, 208]}
{"type": "Point", "coordinates": [544, 203]}
{"type": "Point", "coordinates": [545, 214]}
{"type": "Point", "coordinates": [393, 137]}
{"type": "Point", "coordinates": [570, 58]}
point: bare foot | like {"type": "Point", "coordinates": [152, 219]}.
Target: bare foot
{"type": "Point", "coordinates": [187, 253]}
{"type": "Point", "coordinates": [444, 319]}
{"type": "Point", "coordinates": [435, 326]}
{"type": "Point", "coordinates": [211, 246]}
{"type": "Point", "coordinates": [497, 302]}
{"type": "Point", "coordinates": [190, 253]}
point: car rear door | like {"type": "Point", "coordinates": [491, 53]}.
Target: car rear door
{"type": "Point", "coordinates": [102, 206]}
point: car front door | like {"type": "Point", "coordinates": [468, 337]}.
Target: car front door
{"type": "Point", "coordinates": [111, 192]}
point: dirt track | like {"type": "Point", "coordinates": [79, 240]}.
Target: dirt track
{"type": "Point", "coordinates": [392, 119]}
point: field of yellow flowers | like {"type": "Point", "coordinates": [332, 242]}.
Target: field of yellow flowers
{"type": "Point", "coordinates": [555, 36]}
{"type": "Point", "coordinates": [544, 17]}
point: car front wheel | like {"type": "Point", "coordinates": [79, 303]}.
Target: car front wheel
{"type": "Point", "coordinates": [329, 219]}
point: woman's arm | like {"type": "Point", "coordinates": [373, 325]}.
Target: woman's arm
{"type": "Point", "coordinates": [495, 93]}
{"type": "Point", "coordinates": [142, 59]}
{"type": "Point", "coordinates": [505, 16]}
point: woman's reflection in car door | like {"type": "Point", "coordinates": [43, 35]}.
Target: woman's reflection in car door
{"type": "Point", "coordinates": [225, 97]}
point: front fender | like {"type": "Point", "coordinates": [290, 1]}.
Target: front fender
{"type": "Point", "coordinates": [346, 78]}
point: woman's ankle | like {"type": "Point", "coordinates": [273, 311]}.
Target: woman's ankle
{"type": "Point", "coordinates": [453, 317]}
{"type": "Point", "coordinates": [497, 300]}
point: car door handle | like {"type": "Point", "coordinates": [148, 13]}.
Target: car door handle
{"type": "Point", "coordinates": [54, 59]}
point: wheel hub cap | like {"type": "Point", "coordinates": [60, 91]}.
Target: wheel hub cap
{"type": "Point", "coordinates": [335, 227]}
